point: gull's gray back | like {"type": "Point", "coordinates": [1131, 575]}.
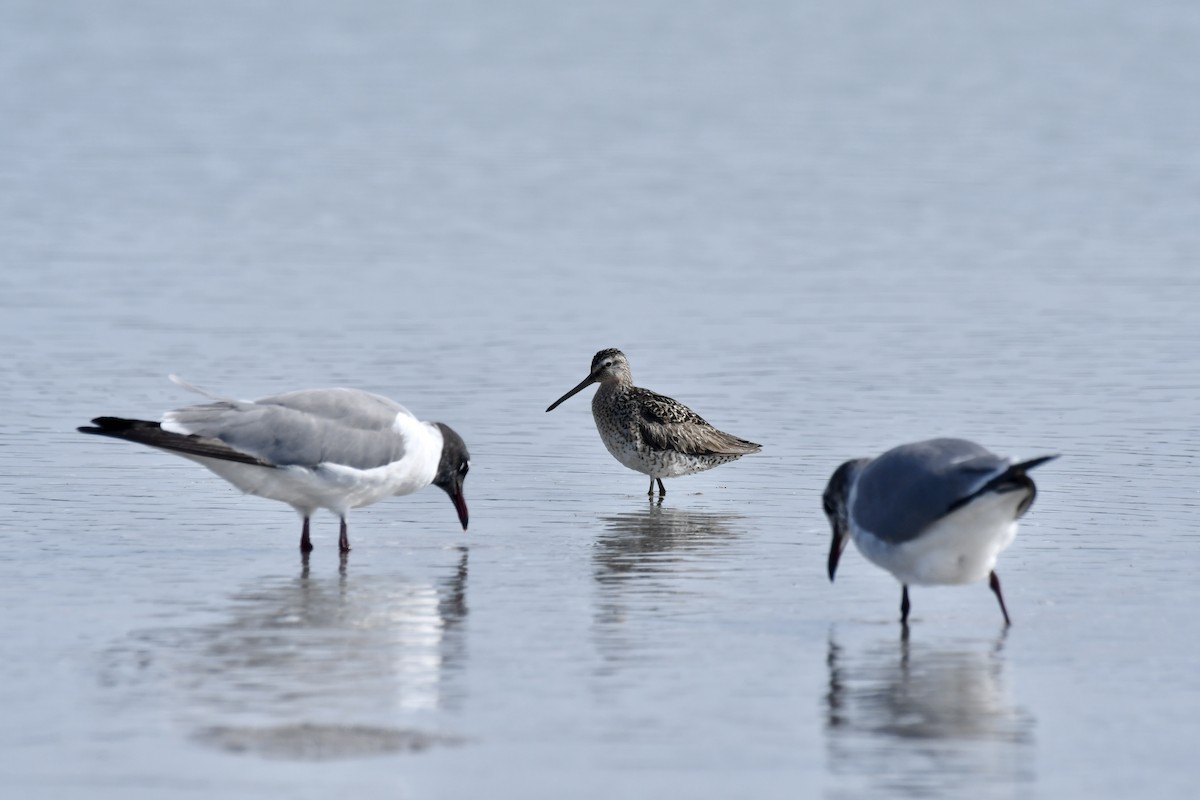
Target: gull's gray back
{"type": "Point", "coordinates": [910, 487]}
{"type": "Point", "coordinates": [304, 428]}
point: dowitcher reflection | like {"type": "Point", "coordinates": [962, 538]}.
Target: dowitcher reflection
{"type": "Point", "coordinates": [654, 568]}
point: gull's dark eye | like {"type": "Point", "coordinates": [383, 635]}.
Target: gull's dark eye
{"type": "Point", "coordinates": [464, 468]}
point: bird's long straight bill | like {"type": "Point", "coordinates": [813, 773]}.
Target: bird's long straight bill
{"type": "Point", "coordinates": [840, 539]}
{"type": "Point", "coordinates": [460, 505]}
{"type": "Point", "coordinates": [583, 384]}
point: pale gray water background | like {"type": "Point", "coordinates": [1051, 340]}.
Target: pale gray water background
{"type": "Point", "coordinates": [829, 228]}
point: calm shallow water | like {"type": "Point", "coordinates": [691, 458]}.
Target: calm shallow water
{"type": "Point", "coordinates": [828, 229]}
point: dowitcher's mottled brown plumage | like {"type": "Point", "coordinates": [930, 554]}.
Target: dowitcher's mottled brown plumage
{"type": "Point", "coordinates": [649, 432]}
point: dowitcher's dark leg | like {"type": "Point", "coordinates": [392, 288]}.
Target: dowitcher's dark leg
{"type": "Point", "coordinates": [343, 539]}
{"type": "Point", "coordinates": [994, 582]}
{"type": "Point", "coordinates": [904, 605]}
{"type": "Point", "coordinates": [305, 542]}
{"type": "Point", "coordinates": [662, 490]}
{"type": "Point", "coordinates": [651, 492]}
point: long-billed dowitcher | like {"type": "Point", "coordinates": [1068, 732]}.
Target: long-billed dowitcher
{"type": "Point", "coordinates": [648, 432]}
{"type": "Point", "coordinates": [931, 513]}
{"type": "Point", "coordinates": [316, 448]}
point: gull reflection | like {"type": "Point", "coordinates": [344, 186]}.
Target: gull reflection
{"type": "Point", "coordinates": [342, 647]}
{"type": "Point", "coordinates": [911, 720]}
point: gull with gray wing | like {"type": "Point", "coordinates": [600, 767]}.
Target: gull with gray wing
{"type": "Point", "coordinates": [937, 512]}
{"type": "Point", "coordinates": [651, 433]}
{"type": "Point", "coordinates": [336, 449]}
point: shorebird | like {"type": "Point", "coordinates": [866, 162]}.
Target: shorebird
{"type": "Point", "coordinates": [936, 512]}
{"type": "Point", "coordinates": [650, 433]}
{"type": "Point", "coordinates": [315, 448]}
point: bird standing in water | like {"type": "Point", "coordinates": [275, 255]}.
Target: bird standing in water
{"type": "Point", "coordinates": [937, 512]}
{"type": "Point", "coordinates": [316, 448]}
{"type": "Point", "coordinates": [651, 433]}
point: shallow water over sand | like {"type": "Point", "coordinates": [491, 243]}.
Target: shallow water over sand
{"type": "Point", "coordinates": [826, 229]}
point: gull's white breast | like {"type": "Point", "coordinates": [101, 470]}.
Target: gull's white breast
{"type": "Point", "coordinates": [961, 547]}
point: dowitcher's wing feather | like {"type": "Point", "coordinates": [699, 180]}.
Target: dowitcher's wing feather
{"type": "Point", "coordinates": [667, 424]}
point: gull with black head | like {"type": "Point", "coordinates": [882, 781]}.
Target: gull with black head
{"type": "Point", "coordinates": [937, 512]}
{"type": "Point", "coordinates": [651, 433]}
{"type": "Point", "coordinates": [336, 449]}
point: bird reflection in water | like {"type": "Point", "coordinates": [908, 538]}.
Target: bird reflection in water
{"type": "Point", "coordinates": [658, 540]}
{"type": "Point", "coordinates": [648, 559]}
{"type": "Point", "coordinates": [911, 720]}
{"type": "Point", "coordinates": [335, 650]}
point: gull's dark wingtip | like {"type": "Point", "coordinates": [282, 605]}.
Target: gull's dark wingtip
{"type": "Point", "coordinates": [1035, 462]}
{"type": "Point", "coordinates": [115, 426]}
